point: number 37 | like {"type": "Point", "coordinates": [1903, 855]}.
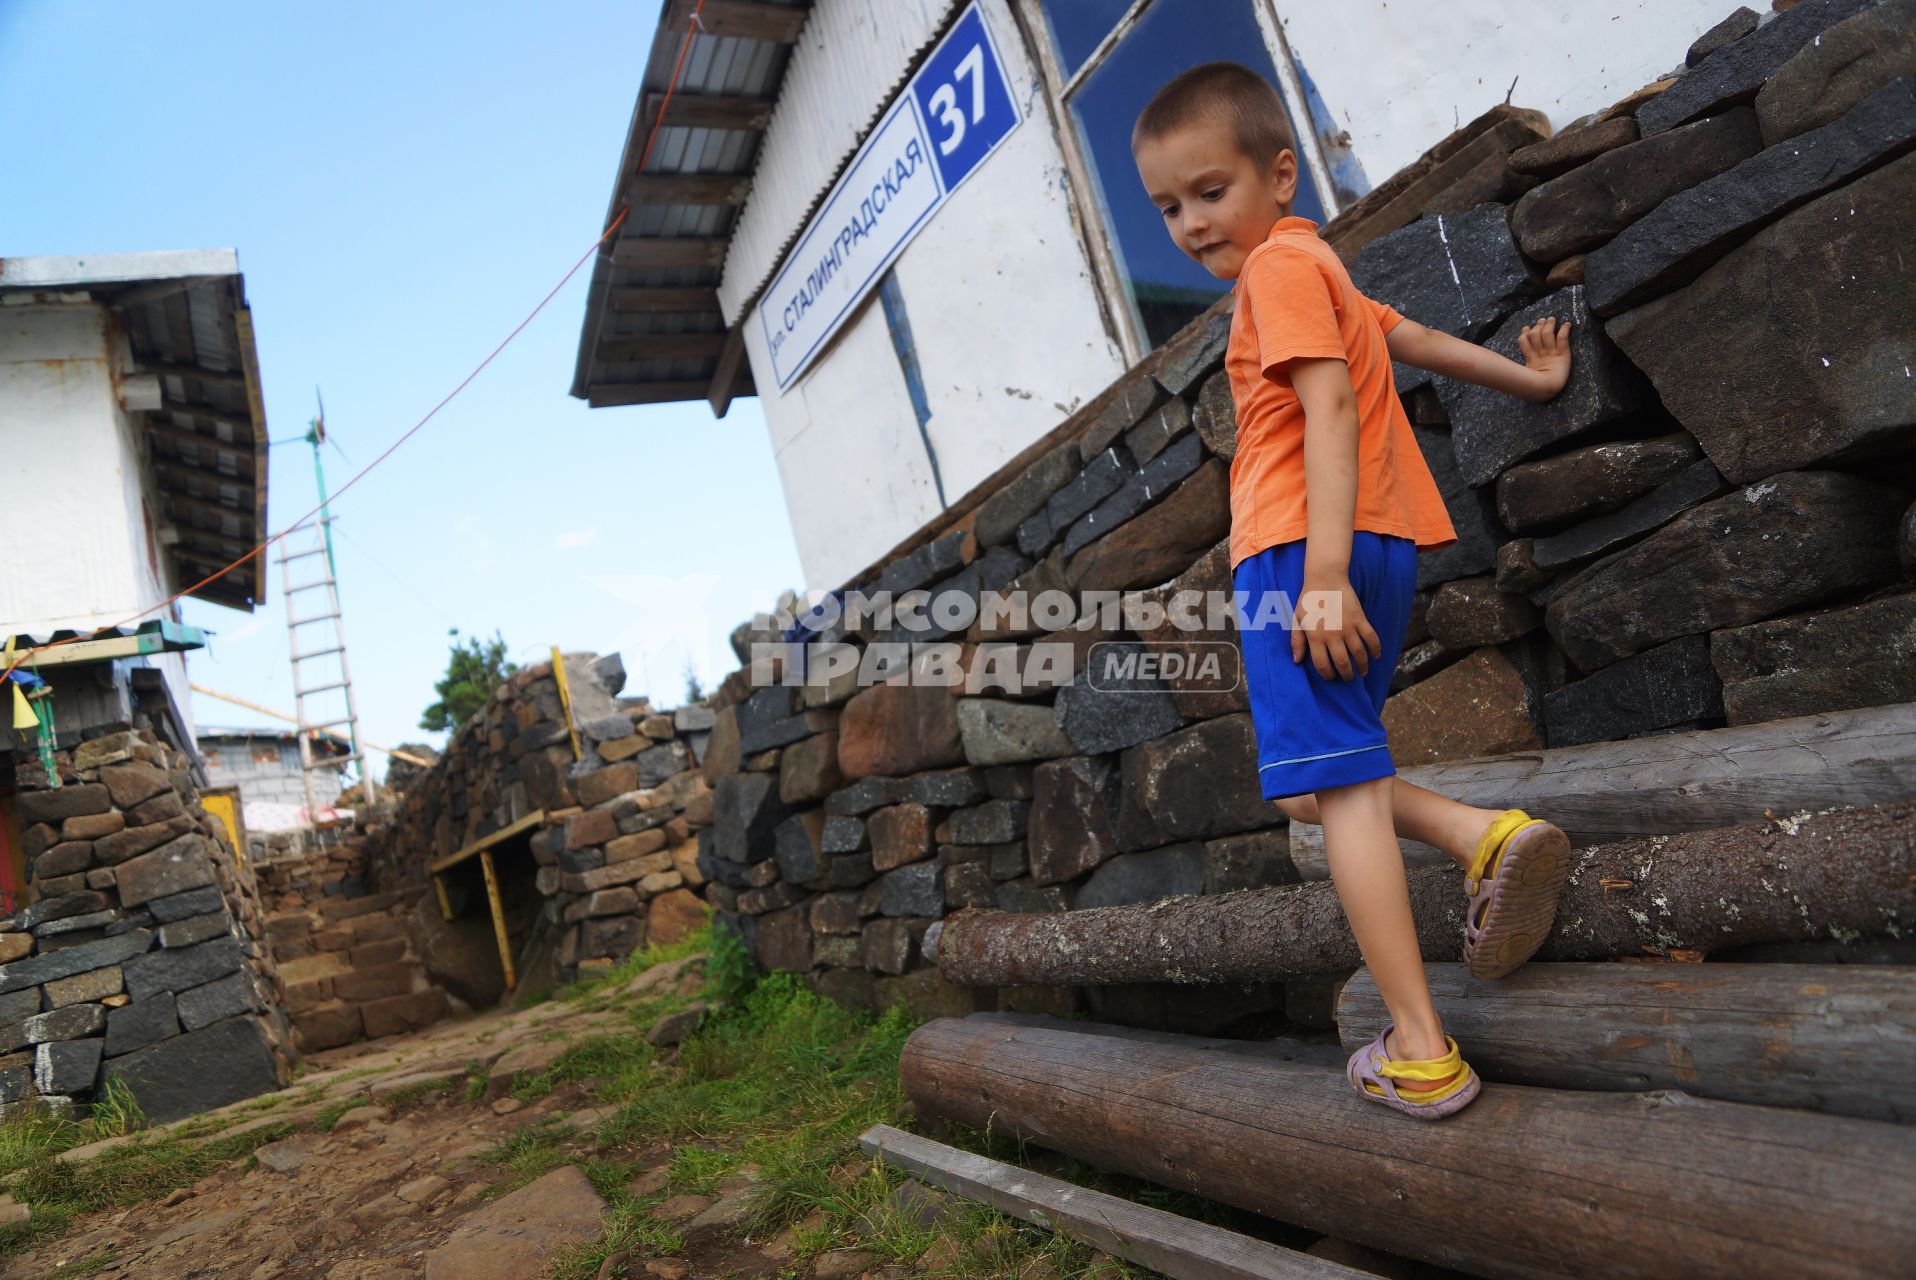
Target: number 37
{"type": "Point", "coordinates": [944, 103]}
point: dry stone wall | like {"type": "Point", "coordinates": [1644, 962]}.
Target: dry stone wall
{"type": "Point", "coordinates": [142, 957]}
{"type": "Point", "coordinates": [614, 862]}
{"type": "Point", "coordinates": [1711, 525]}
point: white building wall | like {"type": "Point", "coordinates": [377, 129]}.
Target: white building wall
{"type": "Point", "coordinates": [1401, 76]}
{"type": "Point", "coordinates": [849, 57]}
{"type": "Point", "coordinates": [1002, 301]}
{"type": "Point", "coordinates": [83, 548]}
{"type": "Point", "coordinates": [1009, 337]}
{"type": "Point", "coordinates": [74, 560]}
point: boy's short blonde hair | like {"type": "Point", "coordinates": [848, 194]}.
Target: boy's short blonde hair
{"type": "Point", "coordinates": [1229, 93]}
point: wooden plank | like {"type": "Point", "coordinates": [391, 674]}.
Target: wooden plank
{"type": "Point", "coordinates": [699, 300]}
{"type": "Point", "coordinates": [168, 369]}
{"type": "Point", "coordinates": [1171, 1245]}
{"type": "Point", "coordinates": [1850, 872]}
{"type": "Point", "coordinates": [523, 825]}
{"type": "Point", "coordinates": [241, 423]}
{"type": "Point", "coordinates": [725, 377]}
{"type": "Point", "coordinates": [445, 902]}
{"type": "Point", "coordinates": [668, 251]}
{"type": "Point", "coordinates": [742, 19]}
{"type": "Point", "coordinates": [1676, 781]}
{"type": "Point", "coordinates": [1525, 1183]}
{"type": "Point", "coordinates": [498, 908]}
{"type": "Point", "coordinates": [689, 188]}
{"type": "Point", "coordinates": [1812, 1036]}
{"type": "Point", "coordinates": [710, 111]}
{"type": "Point", "coordinates": [185, 476]}
{"type": "Point", "coordinates": [180, 435]}
{"type": "Point", "coordinates": [602, 394]}
{"type": "Point", "coordinates": [662, 346]}
{"type": "Point", "coordinates": [187, 502]}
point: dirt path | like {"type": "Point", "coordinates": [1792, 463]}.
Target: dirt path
{"type": "Point", "coordinates": [388, 1175]}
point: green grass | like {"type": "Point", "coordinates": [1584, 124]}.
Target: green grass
{"type": "Point", "coordinates": [784, 1081]}
{"type": "Point", "coordinates": [144, 1169]}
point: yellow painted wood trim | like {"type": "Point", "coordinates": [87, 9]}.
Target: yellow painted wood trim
{"type": "Point", "coordinates": [527, 823]}
{"type": "Point", "coordinates": [498, 918]}
{"type": "Point", "coordinates": [565, 699]}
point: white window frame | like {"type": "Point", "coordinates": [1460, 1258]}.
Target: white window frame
{"type": "Point", "coordinates": [1060, 87]}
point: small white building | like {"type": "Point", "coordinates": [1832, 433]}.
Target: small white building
{"type": "Point", "coordinates": [913, 229]}
{"type": "Point", "coordinates": [133, 464]}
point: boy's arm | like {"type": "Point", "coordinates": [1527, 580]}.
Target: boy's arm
{"type": "Point", "coordinates": [1545, 347]}
{"type": "Point", "coordinates": [1340, 638]}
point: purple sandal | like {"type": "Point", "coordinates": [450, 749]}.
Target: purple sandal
{"type": "Point", "coordinates": [1371, 1072]}
{"type": "Point", "coordinates": [1512, 889]}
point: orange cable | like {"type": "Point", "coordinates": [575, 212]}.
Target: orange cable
{"type": "Point", "coordinates": [618, 219]}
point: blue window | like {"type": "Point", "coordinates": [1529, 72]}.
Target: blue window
{"type": "Point", "coordinates": [1162, 287]}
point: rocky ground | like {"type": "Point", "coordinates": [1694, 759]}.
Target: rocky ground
{"type": "Point", "coordinates": [422, 1156]}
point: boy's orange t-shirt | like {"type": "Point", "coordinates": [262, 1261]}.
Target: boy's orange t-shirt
{"type": "Point", "coordinates": [1295, 301]}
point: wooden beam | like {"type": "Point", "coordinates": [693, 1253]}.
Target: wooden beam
{"type": "Point", "coordinates": [1163, 1242]}
{"type": "Point", "coordinates": [180, 435]}
{"type": "Point", "coordinates": [1847, 872]}
{"type": "Point", "coordinates": [207, 413]}
{"type": "Point", "coordinates": [699, 300]}
{"type": "Point", "coordinates": [741, 19]}
{"type": "Point", "coordinates": [1569, 1185]}
{"type": "Point", "coordinates": [1675, 781]}
{"type": "Point", "coordinates": [689, 188]}
{"type": "Point", "coordinates": [605, 395]}
{"type": "Point", "coordinates": [523, 825]}
{"type": "Point", "coordinates": [667, 251]}
{"type": "Point", "coordinates": [725, 377]}
{"type": "Point", "coordinates": [226, 548]}
{"type": "Point", "coordinates": [710, 111]}
{"type": "Point", "coordinates": [497, 907]}
{"type": "Point", "coordinates": [173, 473]}
{"type": "Point", "coordinates": [1797, 1035]}
{"type": "Point", "coordinates": [187, 502]}
{"type": "Point", "coordinates": [662, 346]}
{"type": "Point", "coordinates": [168, 369]}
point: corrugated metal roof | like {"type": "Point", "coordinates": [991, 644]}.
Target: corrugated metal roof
{"type": "Point", "coordinates": [849, 63]}
{"type": "Point", "coordinates": [640, 344]}
{"type": "Point", "coordinates": [186, 320]}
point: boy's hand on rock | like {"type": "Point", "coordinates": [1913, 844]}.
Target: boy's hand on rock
{"type": "Point", "coordinates": [1545, 347]}
{"type": "Point", "coordinates": [1337, 651]}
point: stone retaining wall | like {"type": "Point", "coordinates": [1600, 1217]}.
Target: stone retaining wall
{"type": "Point", "coordinates": [612, 864]}
{"type": "Point", "coordinates": [1711, 525]}
{"type": "Point", "coordinates": [141, 958]}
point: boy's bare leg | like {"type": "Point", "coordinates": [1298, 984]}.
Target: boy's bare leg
{"type": "Point", "coordinates": [1423, 815]}
{"type": "Point", "coordinates": [1360, 843]}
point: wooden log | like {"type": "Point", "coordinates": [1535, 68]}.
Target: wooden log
{"type": "Point", "coordinates": [1847, 874]}
{"type": "Point", "coordinates": [1168, 1244]}
{"type": "Point", "coordinates": [1676, 781]}
{"type": "Point", "coordinates": [1816, 1037]}
{"type": "Point", "coordinates": [1526, 1183]}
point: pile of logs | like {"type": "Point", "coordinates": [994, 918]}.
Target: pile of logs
{"type": "Point", "coordinates": [1641, 1115]}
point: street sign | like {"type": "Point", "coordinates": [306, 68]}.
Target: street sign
{"type": "Point", "coordinates": [948, 119]}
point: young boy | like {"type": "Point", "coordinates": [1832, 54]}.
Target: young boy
{"type": "Point", "coordinates": [1330, 502]}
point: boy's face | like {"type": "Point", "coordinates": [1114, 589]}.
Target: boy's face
{"type": "Point", "coordinates": [1218, 203]}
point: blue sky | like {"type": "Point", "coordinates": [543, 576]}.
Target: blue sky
{"type": "Point", "coordinates": [403, 182]}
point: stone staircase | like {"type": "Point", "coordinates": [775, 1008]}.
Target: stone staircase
{"type": "Point", "coordinates": [348, 969]}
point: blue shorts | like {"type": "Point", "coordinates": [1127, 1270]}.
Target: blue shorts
{"type": "Point", "coordinates": [1314, 733]}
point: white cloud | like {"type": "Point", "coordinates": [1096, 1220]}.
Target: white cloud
{"type": "Point", "coordinates": [573, 539]}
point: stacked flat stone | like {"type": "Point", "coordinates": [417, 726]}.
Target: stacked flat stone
{"type": "Point", "coordinates": [1711, 524]}
{"type": "Point", "coordinates": [141, 957]}
{"type": "Point", "coordinates": [616, 856]}
{"type": "Point", "coordinates": [351, 968]}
